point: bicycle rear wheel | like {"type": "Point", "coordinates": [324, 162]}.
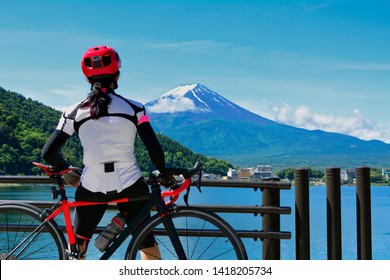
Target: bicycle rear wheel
{"type": "Point", "coordinates": [24, 237]}
{"type": "Point", "coordinates": [203, 235]}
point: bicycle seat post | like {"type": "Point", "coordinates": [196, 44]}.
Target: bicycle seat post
{"type": "Point", "coordinates": [61, 188]}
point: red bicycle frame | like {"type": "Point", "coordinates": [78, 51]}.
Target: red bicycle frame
{"type": "Point", "coordinates": [67, 205]}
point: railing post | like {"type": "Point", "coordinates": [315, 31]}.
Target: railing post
{"type": "Point", "coordinates": [333, 203]}
{"type": "Point", "coordinates": [302, 214]}
{"type": "Point", "coordinates": [271, 222]}
{"type": "Point", "coordinates": [363, 209]}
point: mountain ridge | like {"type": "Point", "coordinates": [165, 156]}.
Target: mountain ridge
{"type": "Point", "coordinates": [208, 123]}
{"type": "Point", "coordinates": [195, 98]}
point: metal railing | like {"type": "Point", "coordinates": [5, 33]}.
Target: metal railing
{"type": "Point", "coordinates": [270, 234]}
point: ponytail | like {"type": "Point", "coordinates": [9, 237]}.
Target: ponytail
{"type": "Point", "coordinates": [98, 101]}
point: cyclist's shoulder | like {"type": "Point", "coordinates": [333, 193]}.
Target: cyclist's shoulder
{"type": "Point", "coordinates": [131, 102]}
{"type": "Point", "coordinates": [72, 109]}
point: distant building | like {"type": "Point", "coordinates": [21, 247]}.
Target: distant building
{"type": "Point", "coordinates": [232, 174]}
{"type": "Point", "coordinates": [211, 176]}
{"type": "Point", "coordinates": [348, 175]}
{"type": "Point", "coordinates": [262, 172]}
{"type": "Point", "coordinates": [244, 173]}
{"type": "Point", "coordinates": [259, 173]}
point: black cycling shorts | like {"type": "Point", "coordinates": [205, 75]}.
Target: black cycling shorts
{"type": "Point", "coordinates": [87, 218]}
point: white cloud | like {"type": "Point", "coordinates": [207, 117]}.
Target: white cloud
{"type": "Point", "coordinates": [356, 124]}
{"type": "Point", "coordinates": [169, 105]}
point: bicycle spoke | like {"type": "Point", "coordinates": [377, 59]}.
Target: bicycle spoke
{"type": "Point", "coordinates": [24, 236]}
{"type": "Point", "coordinates": [222, 254]}
{"type": "Point", "coordinates": [167, 247]}
{"type": "Point", "coordinates": [204, 236]}
{"type": "Point", "coordinates": [197, 241]}
{"type": "Point", "coordinates": [32, 238]}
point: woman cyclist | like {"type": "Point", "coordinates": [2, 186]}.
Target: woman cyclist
{"type": "Point", "coordinates": [106, 124]}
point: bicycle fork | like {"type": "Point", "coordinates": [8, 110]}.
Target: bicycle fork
{"type": "Point", "coordinates": [165, 214]}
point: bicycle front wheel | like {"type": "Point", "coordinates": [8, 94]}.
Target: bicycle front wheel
{"type": "Point", "coordinates": [23, 236]}
{"type": "Point", "coordinates": [203, 235]}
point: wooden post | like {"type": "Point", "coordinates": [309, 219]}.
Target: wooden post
{"type": "Point", "coordinates": [271, 222]}
{"type": "Point", "coordinates": [333, 198]}
{"type": "Point", "coordinates": [302, 214]}
{"type": "Point", "coordinates": [363, 209]}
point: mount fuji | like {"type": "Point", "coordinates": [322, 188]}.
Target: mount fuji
{"type": "Point", "coordinates": [207, 123]}
{"type": "Point", "coordinates": [198, 101]}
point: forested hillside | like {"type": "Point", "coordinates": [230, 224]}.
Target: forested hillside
{"type": "Point", "coordinates": [26, 124]}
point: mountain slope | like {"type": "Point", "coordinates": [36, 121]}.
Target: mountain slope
{"type": "Point", "coordinates": [208, 123]}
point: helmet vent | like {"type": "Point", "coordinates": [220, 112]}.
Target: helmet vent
{"type": "Point", "coordinates": [106, 60]}
{"type": "Point", "coordinates": [87, 62]}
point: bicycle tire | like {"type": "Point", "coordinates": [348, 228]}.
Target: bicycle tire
{"type": "Point", "coordinates": [192, 224]}
{"type": "Point", "coordinates": [17, 222]}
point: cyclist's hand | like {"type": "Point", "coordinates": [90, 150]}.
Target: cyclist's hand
{"type": "Point", "coordinates": [73, 178]}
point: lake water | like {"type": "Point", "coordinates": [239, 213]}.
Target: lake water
{"type": "Point", "coordinates": [380, 200]}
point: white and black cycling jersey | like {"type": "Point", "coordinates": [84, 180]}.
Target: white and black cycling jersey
{"type": "Point", "coordinates": [108, 143]}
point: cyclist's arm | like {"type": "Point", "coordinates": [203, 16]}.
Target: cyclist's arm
{"type": "Point", "coordinates": [51, 149]}
{"type": "Point", "coordinates": [152, 144]}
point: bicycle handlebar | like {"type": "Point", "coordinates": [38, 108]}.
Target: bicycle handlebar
{"type": "Point", "coordinates": [166, 179]}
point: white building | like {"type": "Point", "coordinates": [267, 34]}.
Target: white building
{"type": "Point", "coordinates": [262, 172]}
{"type": "Point", "coordinates": [348, 174]}
{"type": "Point", "coordinates": [232, 174]}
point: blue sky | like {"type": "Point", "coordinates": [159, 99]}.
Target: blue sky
{"type": "Point", "coordinates": [313, 64]}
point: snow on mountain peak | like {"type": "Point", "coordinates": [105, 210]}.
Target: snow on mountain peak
{"type": "Point", "coordinates": [180, 99]}
{"type": "Point", "coordinates": [202, 103]}
{"type": "Point", "coordinates": [196, 98]}
{"type": "Point", "coordinates": [179, 91]}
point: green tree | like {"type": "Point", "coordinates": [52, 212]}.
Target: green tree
{"type": "Point", "coordinates": [286, 173]}
{"type": "Point", "coordinates": [9, 160]}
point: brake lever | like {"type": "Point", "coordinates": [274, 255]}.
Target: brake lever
{"type": "Point", "coordinates": [199, 180]}
{"type": "Point", "coordinates": [186, 196]}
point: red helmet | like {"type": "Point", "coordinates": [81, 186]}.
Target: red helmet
{"type": "Point", "coordinates": [100, 60]}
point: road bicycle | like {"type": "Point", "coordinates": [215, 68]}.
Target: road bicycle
{"type": "Point", "coordinates": [182, 232]}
